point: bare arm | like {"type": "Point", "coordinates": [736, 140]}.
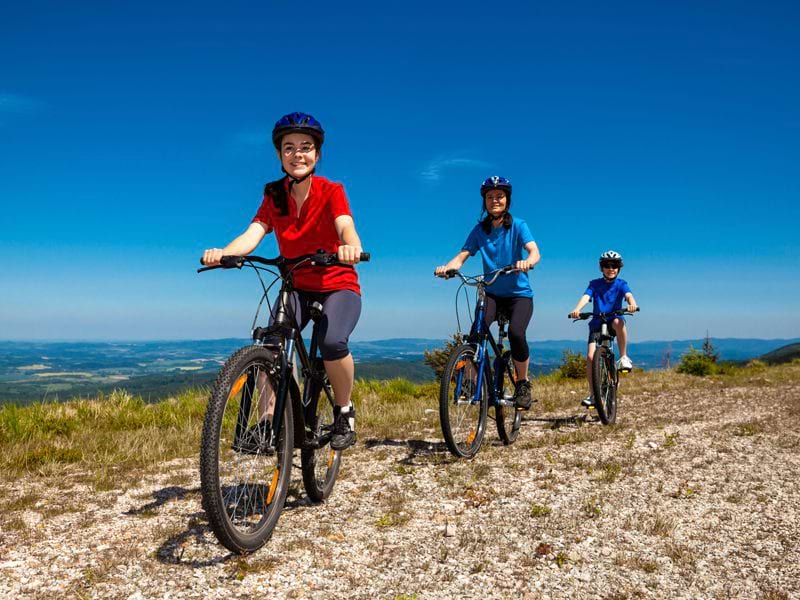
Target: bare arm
{"type": "Point", "coordinates": [533, 257]}
{"type": "Point", "coordinates": [350, 250]}
{"type": "Point", "coordinates": [240, 246]}
{"type": "Point", "coordinates": [455, 263]}
{"type": "Point", "coordinates": [581, 303]}
{"type": "Point", "coordinates": [631, 302]}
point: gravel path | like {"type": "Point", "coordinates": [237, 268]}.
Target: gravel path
{"type": "Point", "coordinates": [690, 496]}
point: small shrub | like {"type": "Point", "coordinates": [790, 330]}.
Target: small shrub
{"type": "Point", "coordinates": [573, 365]}
{"type": "Point", "coordinates": [437, 359]}
{"type": "Point", "coordinates": [696, 363]}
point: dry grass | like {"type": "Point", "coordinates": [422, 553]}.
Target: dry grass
{"type": "Point", "coordinates": [119, 432]}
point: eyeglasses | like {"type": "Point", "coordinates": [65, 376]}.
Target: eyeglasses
{"type": "Point", "coordinates": [289, 150]}
{"type": "Point", "coordinates": [610, 265]}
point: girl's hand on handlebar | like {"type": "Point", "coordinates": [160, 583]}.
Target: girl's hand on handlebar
{"type": "Point", "coordinates": [211, 257]}
{"type": "Point", "coordinates": [440, 270]}
{"type": "Point", "coordinates": [523, 265]}
{"type": "Point", "coordinates": [348, 255]}
{"type": "Point", "coordinates": [632, 308]}
{"type": "Point", "coordinates": [575, 314]}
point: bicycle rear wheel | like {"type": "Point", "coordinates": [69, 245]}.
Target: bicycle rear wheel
{"type": "Point", "coordinates": [243, 480]}
{"type": "Point", "coordinates": [319, 463]}
{"type": "Point", "coordinates": [507, 417]}
{"type": "Point", "coordinates": [463, 418]}
{"type": "Point", "coordinates": [604, 385]}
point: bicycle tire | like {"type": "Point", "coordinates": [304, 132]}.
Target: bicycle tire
{"type": "Point", "coordinates": [463, 422]}
{"type": "Point", "coordinates": [604, 385]}
{"type": "Point", "coordinates": [243, 491]}
{"type": "Point", "coordinates": [320, 465]}
{"type": "Point", "coordinates": [507, 418]}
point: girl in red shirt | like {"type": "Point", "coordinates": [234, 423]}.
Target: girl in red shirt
{"type": "Point", "coordinates": [308, 213]}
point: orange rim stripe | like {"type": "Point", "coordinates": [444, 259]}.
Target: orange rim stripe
{"type": "Point", "coordinates": [238, 385]}
{"type": "Point", "coordinates": [273, 486]}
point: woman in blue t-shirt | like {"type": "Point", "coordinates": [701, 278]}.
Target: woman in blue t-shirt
{"type": "Point", "coordinates": [503, 240]}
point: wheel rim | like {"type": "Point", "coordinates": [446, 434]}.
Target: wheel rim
{"type": "Point", "coordinates": [325, 456]}
{"type": "Point", "coordinates": [463, 414]}
{"type": "Point", "coordinates": [508, 413]}
{"type": "Point", "coordinates": [606, 389]}
{"type": "Point", "coordinates": [247, 481]}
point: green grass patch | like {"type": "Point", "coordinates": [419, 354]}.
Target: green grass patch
{"type": "Point", "coordinates": [540, 510]}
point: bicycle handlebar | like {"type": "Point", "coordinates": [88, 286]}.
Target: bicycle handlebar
{"type": "Point", "coordinates": [614, 313]}
{"type": "Point", "coordinates": [478, 279]}
{"type": "Point", "coordinates": [321, 258]}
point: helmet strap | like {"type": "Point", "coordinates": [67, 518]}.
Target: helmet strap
{"type": "Point", "coordinates": [293, 180]}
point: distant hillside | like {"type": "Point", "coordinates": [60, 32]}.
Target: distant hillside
{"type": "Point", "coordinates": [781, 355]}
{"type": "Point", "coordinates": [31, 371]}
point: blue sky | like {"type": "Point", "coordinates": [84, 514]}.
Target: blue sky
{"type": "Point", "coordinates": [134, 136]}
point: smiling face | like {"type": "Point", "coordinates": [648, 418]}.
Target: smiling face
{"type": "Point", "coordinates": [495, 202]}
{"type": "Point", "coordinates": [298, 154]}
{"type": "Point", "coordinates": [609, 272]}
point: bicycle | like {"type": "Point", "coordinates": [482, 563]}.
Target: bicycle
{"type": "Point", "coordinates": [246, 457]}
{"type": "Point", "coordinates": [464, 394]}
{"type": "Point", "coordinates": [605, 377]}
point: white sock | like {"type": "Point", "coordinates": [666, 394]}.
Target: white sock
{"type": "Point", "coordinates": [351, 421]}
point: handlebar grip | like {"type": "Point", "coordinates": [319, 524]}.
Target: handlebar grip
{"type": "Point", "coordinates": [231, 262]}
{"type": "Point", "coordinates": [364, 257]}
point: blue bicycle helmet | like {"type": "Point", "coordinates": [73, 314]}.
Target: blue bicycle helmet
{"type": "Point", "coordinates": [495, 182]}
{"type": "Point", "coordinates": [297, 122]}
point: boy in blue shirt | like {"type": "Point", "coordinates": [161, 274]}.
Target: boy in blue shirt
{"type": "Point", "coordinates": [606, 294]}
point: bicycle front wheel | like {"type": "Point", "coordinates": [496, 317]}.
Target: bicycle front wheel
{"type": "Point", "coordinates": [320, 463]}
{"type": "Point", "coordinates": [462, 414]}
{"type": "Point", "coordinates": [243, 477]}
{"type": "Point", "coordinates": [604, 385]}
{"type": "Point", "coordinates": [507, 417]}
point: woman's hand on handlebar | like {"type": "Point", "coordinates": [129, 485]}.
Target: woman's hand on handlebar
{"type": "Point", "coordinates": [348, 255]}
{"type": "Point", "coordinates": [575, 314]}
{"type": "Point", "coordinates": [632, 308]}
{"type": "Point", "coordinates": [523, 265]}
{"type": "Point", "coordinates": [211, 257]}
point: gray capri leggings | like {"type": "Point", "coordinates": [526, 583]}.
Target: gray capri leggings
{"type": "Point", "coordinates": [340, 312]}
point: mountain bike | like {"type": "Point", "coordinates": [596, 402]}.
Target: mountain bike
{"type": "Point", "coordinates": [257, 415]}
{"type": "Point", "coordinates": [605, 377]}
{"type": "Point", "coordinates": [472, 379]}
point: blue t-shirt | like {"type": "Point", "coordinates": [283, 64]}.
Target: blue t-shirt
{"type": "Point", "coordinates": [499, 248]}
{"type": "Point", "coordinates": [606, 296]}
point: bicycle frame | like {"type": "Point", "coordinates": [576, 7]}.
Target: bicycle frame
{"type": "Point", "coordinates": [484, 340]}
{"type": "Point", "coordinates": [290, 341]}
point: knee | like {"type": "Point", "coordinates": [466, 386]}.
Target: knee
{"type": "Point", "coordinates": [333, 349]}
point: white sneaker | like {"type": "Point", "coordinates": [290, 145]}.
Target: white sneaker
{"type": "Point", "coordinates": [587, 402]}
{"type": "Point", "coordinates": [624, 363]}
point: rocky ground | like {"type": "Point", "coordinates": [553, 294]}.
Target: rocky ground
{"type": "Point", "coordinates": [692, 495]}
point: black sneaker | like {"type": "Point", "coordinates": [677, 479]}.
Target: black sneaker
{"type": "Point", "coordinates": [255, 439]}
{"type": "Point", "coordinates": [343, 434]}
{"type": "Point", "coordinates": [522, 394]}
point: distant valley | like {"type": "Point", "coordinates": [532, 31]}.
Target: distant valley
{"type": "Point", "coordinates": [31, 371]}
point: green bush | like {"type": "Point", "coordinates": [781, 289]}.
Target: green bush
{"type": "Point", "coordinates": [694, 362]}
{"type": "Point", "coordinates": [437, 359]}
{"type": "Point", "coordinates": [573, 365]}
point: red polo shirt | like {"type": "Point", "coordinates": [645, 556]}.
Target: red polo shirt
{"type": "Point", "coordinates": [311, 231]}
